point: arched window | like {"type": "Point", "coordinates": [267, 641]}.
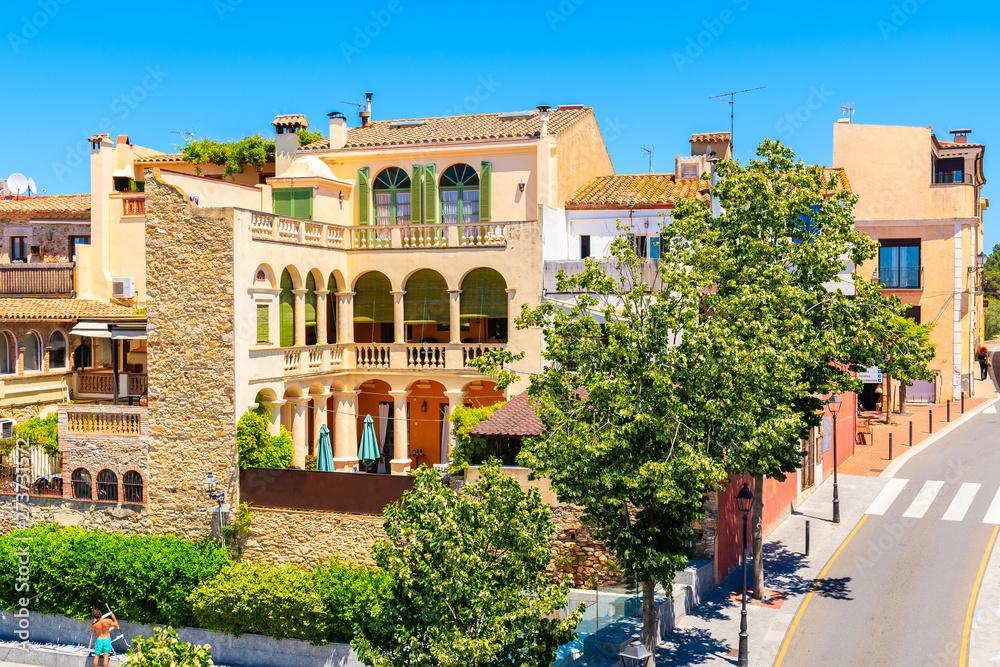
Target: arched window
{"type": "Point", "coordinates": [8, 353]}
{"type": "Point", "coordinates": [310, 310]}
{"type": "Point", "coordinates": [287, 310]}
{"type": "Point", "coordinates": [392, 197]}
{"type": "Point", "coordinates": [82, 484]}
{"type": "Point", "coordinates": [331, 310]}
{"type": "Point", "coordinates": [459, 195]}
{"type": "Point", "coordinates": [373, 311]}
{"type": "Point", "coordinates": [426, 306]}
{"type": "Point", "coordinates": [57, 350]}
{"type": "Point", "coordinates": [32, 352]}
{"type": "Point", "coordinates": [484, 298]}
{"type": "Point", "coordinates": [107, 486]}
{"type": "Point", "coordinates": [132, 486]}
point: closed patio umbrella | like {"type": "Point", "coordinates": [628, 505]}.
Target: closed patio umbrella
{"type": "Point", "coordinates": [368, 450]}
{"type": "Point", "coordinates": [324, 459]}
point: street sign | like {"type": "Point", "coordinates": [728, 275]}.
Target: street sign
{"type": "Point", "coordinates": [873, 375]}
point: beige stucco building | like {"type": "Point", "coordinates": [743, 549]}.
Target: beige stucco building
{"type": "Point", "coordinates": [921, 198]}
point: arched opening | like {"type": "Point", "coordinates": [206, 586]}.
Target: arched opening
{"type": "Point", "coordinates": [373, 311]}
{"type": "Point", "coordinates": [286, 304]}
{"type": "Point", "coordinates": [32, 352]}
{"type": "Point", "coordinates": [8, 354]}
{"type": "Point", "coordinates": [331, 310]}
{"type": "Point", "coordinates": [427, 409]}
{"type": "Point", "coordinates": [107, 486]}
{"type": "Point", "coordinates": [459, 195]}
{"type": "Point", "coordinates": [132, 486]}
{"type": "Point", "coordinates": [483, 307]}
{"type": "Point", "coordinates": [391, 191]}
{"type": "Point", "coordinates": [82, 484]}
{"type": "Point", "coordinates": [57, 350]}
{"type": "Point", "coordinates": [374, 399]}
{"type": "Point", "coordinates": [310, 303]}
{"type": "Point", "coordinates": [426, 308]}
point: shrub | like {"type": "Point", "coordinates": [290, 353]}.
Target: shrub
{"type": "Point", "coordinates": [278, 601]}
{"type": "Point", "coordinates": [43, 432]}
{"type": "Point", "coordinates": [350, 592]}
{"type": "Point", "coordinates": [145, 579]}
{"type": "Point", "coordinates": [166, 649]}
{"type": "Point", "coordinates": [469, 449]}
{"type": "Point", "coordinates": [257, 447]}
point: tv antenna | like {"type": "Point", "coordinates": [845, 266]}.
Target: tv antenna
{"type": "Point", "coordinates": [358, 104]}
{"type": "Point", "coordinates": [732, 108]}
{"type": "Point", "coordinates": [189, 134]}
{"type": "Point", "coordinates": [648, 148]}
{"type": "Point", "coordinates": [848, 110]}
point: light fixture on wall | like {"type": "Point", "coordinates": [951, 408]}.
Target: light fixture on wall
{"type": "Point", "coordinates": [341, 195]}
{"type": "Point", "coordinates": [423, 406]}
{"type": "Point", "coordinates": [520, 186]}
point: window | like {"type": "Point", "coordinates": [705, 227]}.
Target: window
{"type": "Point", "coordinates": [263, 322]}
{"type": "Point", "coordinates": [32, 352]}
{"type": "Point", "coordinates": [484, 295]}
{"type": "Point", "coordinates": [426, 304]}
{"type": "Point", "coordinates": [132, 486]}
{"type": "Point", "coordinates": [19, 248]}
{"type": "Point", "coordinates": [293, 202]}
{"type": "Point", "coordinates": [286, 305]}
{"type": "Point", "coordinates": [82, 485]}
{"type": "Point", "coordinates": [83, 355]}
{"type": "Point", "coordinates": [949, 170]}
{"type": "Point", "coordinates": [8, 353]}
{"type": "Point", "coordinates": [899, 263]}
{"type": "Point", "coordinates": [373, 306]}
{"type": "Point", "coordinates": [74, 241]}
{"type": "Point", "coordinates": [392, 197]}
{"type": "Point", "coordinates": [584, 246]}
{"type": "Point", "coordinates": [107, 486]}
{"type": "Point", "coordinates": [459, 195]}
{"type": "Point", "coordinates": [689, 170]}
{"type": "Point", "coordinates": [57, 350]}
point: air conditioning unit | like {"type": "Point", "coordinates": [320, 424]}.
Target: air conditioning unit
{"type": "Point", "coordinates": [122, 288]}
{"type": "Point", "coordinates": [7, 428]}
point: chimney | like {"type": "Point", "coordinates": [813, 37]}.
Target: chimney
{"type": "Point", "coordinates": [286, 140]}
{"type": "Point", "coordinates": [960, 136]}
{"type": "Point", "coordinates": [366, 115]}
{"type": "Point", "coordinates": [543, 116]}
{"type": "Point", "coordinates": [338, 129]}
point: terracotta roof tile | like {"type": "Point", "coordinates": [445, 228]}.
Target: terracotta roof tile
{"type": "Point", "coordinates": [516, 125]}
{"type": "Point", "coordinates": [515, 418]}
{"type": "Point", "coordinates": [56, 206]}
{"type": "Point", "coordinates": [709, 137]}
{"type": "Point", "coordinates": [59, 309]}
{"type": "Point", "coordinates": [160, 158]}
{"type": "Point", "coordinates": [955, 144]}
{"type": "Point", "coordinates": [641, 189]}
{"type": "Point", "coordinates": [290, 120]}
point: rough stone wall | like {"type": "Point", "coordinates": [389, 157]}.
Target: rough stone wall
{"type": "Point", "coordinates": [98, 451]}
{"type": "Point", "coordinates": [86, 514]}
{"type": "Point", "coordinates": [575, 552]}
{"type": "Point", "coordinates": [189, 268]}
{"type": "Point", "coordinates": [705, 530]}
{"type": "Point", "coordinates": [306, 538]}
{"type": "Point", "coordinates": [53, 237]}
{"type": "Point", "coordinates": [23, 413]}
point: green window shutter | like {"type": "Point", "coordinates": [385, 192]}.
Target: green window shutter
{"type": "Point", "coordinates": [282, 201]}
{"type": "Point", "coordinates": [287, 311]}
{"type": "Point", "coordinates": [310, 301]}
{"type": "Point", "coordinates": [302, 203]}
{"type": "Point", "coordinates": [364, 197]}
{"type": "Point", "coordinates": [416, 185]}
{"type": "Point", "coordinates": [430, 195]}
{"type": "Point", "coordinates": [426, 299]}
{"type": "Point", "coordinates": [263, 322]}
{"type": "Point", "coordinates": [485, 192]}
{"type": "Point", "coordinates": [484, 294]}
{"type": "Point", "coordinates": [372, 300]}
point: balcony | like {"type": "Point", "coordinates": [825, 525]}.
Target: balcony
{"type": "Point", "coordinates": [80, 420]}
{"type": "Point", "coordinates": [133, 204]}
{"type": "Point", "coordinates": [100, 385]}
{"type": "Point", "coordinates": [897, 278]}
{"type": "Point", "coordinates": [419, 357]}
{"type": "Point", "coordinates": [42, 279]}
{"type": "Point", "coordinates": [315, 359]}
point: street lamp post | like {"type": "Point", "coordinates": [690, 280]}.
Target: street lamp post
{"type": "Point", "coordinates": [219, 496]}
{"type": "Point", "coordinates": [744, 501]}
{"type": "Point", "coordinates": [835, 405]}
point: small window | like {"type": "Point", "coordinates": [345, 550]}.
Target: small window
{"type": "Point", "coordinates": [263, 319]}
{"type": "Point", "coordinates": [82, 484]}
{"type": "Point", "coordinates": [57, 350]}
{"type": "Point", "coordinates": [19, 248]}
{"type": "Point", "coordinates": [8, 353]}
{"type": "Point", "coordinates": [32, 352]}
{"type": "Point", "coordinates": [107, 486]}
{"type": "Point", "coordinates": [689, 170]}
{"type": "Point", "coordinates": [584, 246]}
{"type": "Point", "coordinates": [132, 486]}
{"type": "Point", "coordinates": [293, 202]}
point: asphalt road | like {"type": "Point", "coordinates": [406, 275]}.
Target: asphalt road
{"type": "Point", "coordinates": [898, 594]}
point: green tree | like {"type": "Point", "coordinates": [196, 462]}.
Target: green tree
{"type": "Point", "coordinates": [469, 587]}
{"type": "Point", "coordinates": [991, 274]}
{"type": "Point", "coordinates": [42, 432]}
{"type": "Point", "coordinates": [469, 447]}
{"type": "Point", "coordinates": [991, 319]}
{"type": "Point", "coordinates": [257, 447]}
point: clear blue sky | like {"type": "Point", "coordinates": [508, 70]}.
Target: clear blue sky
{"type": "Point", "coordinates": [225, 68]}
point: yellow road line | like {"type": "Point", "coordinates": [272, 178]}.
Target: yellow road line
{"type": "Point", "coordinates": [963, 659]}
{"type": "Point", "coordinates": [812, 589]}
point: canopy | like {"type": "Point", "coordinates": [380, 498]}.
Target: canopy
{"type": "Point", "coordinates": [368, 450]}
{"type": "Point", "coordinates": [106, 329]}
{"type": "Point", "coordinates": [324, 457]}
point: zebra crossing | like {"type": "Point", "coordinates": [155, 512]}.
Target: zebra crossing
{"type": "Point", "coordinates": [958, 506]}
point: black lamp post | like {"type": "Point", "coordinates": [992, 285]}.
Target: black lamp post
{"type": "Point", "coordinates": [213, 491]}
{"type": "Point", "coordinates": [634, 654]}
{"type": "Point", "coordinates": [744, 500]}
{"type": "Point", "coordinates": [835, 405]}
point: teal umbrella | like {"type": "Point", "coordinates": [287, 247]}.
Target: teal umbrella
{"type": "Point", "coordinates": [368, 451]}
{"type": "Point", "coordinates": [324, 461]}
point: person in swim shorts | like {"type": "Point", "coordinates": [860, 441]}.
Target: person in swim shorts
{"type": "Point", "coordinates": [102, 627]}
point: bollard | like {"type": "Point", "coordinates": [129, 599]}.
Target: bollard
{"type": "Point", "coordinates": [911, 433]}
{"type": "Point", "coordinates": [963, 402]}
{"type": "Point", "coordinates": [930, 420]}
{"type": "Point", "coordinates": [890, 446]}
{"type": "Point", "coordinates": [947, 413]}
{"type": "Point", "coordinates": [807, 537]}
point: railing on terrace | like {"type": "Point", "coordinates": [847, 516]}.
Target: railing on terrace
{"type": "Point", "coordinates": [894, 277]}
{"type": "Point", "coordinates": [35, 464]}
{"type": "Point", "coordinates": [43, 279]}
{"type": "Point", "coordinates": [313, 359]}
{"type": "Point", "coordinates": [133, 204]}
{"type": "Point", "coordinates": [317, 359]}
{"type": "Point", "coordinates": [947, 177]}
{"type": "Point", "coordinates": [119, 420]}
{"type": "Point", "coordinates": [354, 492]}
{"type": "Point", "coordinates": [101, 384]}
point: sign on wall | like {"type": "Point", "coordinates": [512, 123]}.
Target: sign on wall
{"type": "Point", "coordinates": [872, 375]}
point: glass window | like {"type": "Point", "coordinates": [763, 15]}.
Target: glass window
{"type": "Point", "coordinates": [8, 354]}
{"type": "Point", "coordinates": [32, 352]}
{"type": "Point", "coordinates": [19, 248]}
{"type": "Point", "coordinates": [103, 352]}
{"type": "Point", "coordinates": [57, 350]}
{"type": "Point", "coordinates": [899, 264]}
{"type": "Point", "coordinates": [392, 197]}
{"type": "Point", "coordinates": [459, 195]}
{"type": "Point", "coordinates": [74, 241]}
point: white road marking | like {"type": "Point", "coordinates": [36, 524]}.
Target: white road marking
{"type": "Point", "coordinates": [923, 501]}
{"type": "Point", "coordinates": [992, 410]}
{"type": "Point", "coordinates": [993, 513]}
{"type": "Point", "coordinates": [886, 496]}
{"type": "Point", "coordinates": [960, 505]}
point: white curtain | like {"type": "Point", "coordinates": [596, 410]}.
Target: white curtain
{"type": "Point", "coordinates": [445, 432]}
{"type": "Point", "coordinates": [383, 422]}
{"type": "Point", "coordinates": [470, 206]}
{"type": "Point", "coordinates": [402, 208]}
{"type": "Point", "coordinates": [449, 207]}
{"type": "Point", "coordinates": [383, 208]}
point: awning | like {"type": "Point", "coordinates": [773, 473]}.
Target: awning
{"type": "Point", "coordinates": [106, 329]}
{"type": "Point", "coordinates": [128, 331]}
{"type": "Point", "coordinates": [92, 329]}
{"type": "Point", "coordinates": [124, 172]}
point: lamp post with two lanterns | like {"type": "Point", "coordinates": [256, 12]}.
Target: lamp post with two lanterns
{"type": "Point", "coordinates": [744, 501]}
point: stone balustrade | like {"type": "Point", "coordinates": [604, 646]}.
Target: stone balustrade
{"type": "Point", "coordinates": [103, 420]}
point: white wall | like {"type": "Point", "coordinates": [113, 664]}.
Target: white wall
{"type": "Point", "coordinates": [602, 227]}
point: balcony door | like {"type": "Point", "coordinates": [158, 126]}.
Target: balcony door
{"type": "Point", "coordinates": [899, 263]}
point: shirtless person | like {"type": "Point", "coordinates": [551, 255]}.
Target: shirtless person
{"type": "Point", "coordinates": [102, 627]}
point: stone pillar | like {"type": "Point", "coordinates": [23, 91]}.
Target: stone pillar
{"type": "Point", "coordinates": [345, 313]}
{"type": "Point", "coordinates": [300, 316]}
{"type": "Point", "coordinates": [299, 436]}
{"type": "Point", "coordinates": [321, 297]}
{"type": "Point", "coordinates": [319, 405]}
{"type": "Point", "coordinates": [511, 312]}
{"type": "Point", "coordinates": [400, 465]}
{"type": "Point", "coordinates": [456, 315]}
{"type": "Point", "coordinates": [274, 428]}
{"type": "Point", "coordinates": [398, 316]}
{"type": "Point", "coordinates": [345, 432]}
{"type": "Point", "coordinates": [454, 400]}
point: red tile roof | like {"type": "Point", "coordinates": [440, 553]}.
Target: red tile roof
{"type": "Point", "coordinates": [709, 137]}
{"type": "Point", "coordinates": [59, 309]}
{"type": "Point", "coordinates": [955, 144]}
{"type": "Point", "coordinates": [642, 190]}
{"type": "Point", "coordinates": [515, 418]}
{"type": "Point", "coordinates": [160, 158]}
{"type": "Point", "coordinates": [55, 206]}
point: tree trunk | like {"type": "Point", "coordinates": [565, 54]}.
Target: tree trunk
{"type": "Point", "coordinates": [650, 637]}
{"type": "Point", "coordinates": [902, 397]}
{"type": "Point", "coordinates": [887, 399]}
{"type": "Point", "coordinates": [758, 537]}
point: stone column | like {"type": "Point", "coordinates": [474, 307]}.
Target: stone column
{"type": "Point", "coordinates": [319, 405]}
{"type": "Point", "coordinates": [345, 432]}
{"type": "Point", "coordinates": [456, 315]}
{"type": "Point", "coordinates": [345, 313]}
{"type": "Point", "coordinates": [300, 316]}
{"type": "Point", "coordinates": [511, 312]}
{"type": "Point", "coordinates": [321, 297]}
{"type": "Point", "coordinates": [274, 428]}
{"type": "Point", "coordinates": [454, 400]}
{"type": "Point", "coordinates": [299, 437]}
{"type": "Point", "coordinates": [400, 465]}
{"type": "Point", "coordinates": [398, 314]}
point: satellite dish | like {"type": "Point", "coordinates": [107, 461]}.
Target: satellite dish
{"type": "Point", "coordinates": [17, 183]}
{"type": "Point", "coordinates": [32, 189]}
